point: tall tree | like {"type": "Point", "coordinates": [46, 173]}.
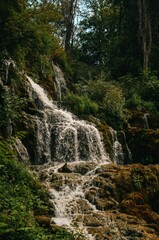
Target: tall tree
{"type": "Point", "coordinates": [145, 31]}
{"type": "Point", "coordinates": [99, 32]}
{"type": "Point", "coordinates": [118, 34]}
{"type": "Point", "coordinates": [68, 11]}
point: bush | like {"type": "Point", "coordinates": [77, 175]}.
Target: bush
{"type": "Point", "coordinates": [134, 101]}
{"type": "Point", "coordinates": [101, 98]}
{"type": "Point", "coordinates": [97, 90]}
{"type": "Point", "coordinates": [80, 105]}
{"type": "Point", "coordinates": [150, 89]}
{"type": "Point", "coordinates": [138, 103]}
{"type": "Point", "coordinates": [109, 96]}
{"type": "Point", "coordinates": [141, 92]}
{"type": "Point", "coordinates": [114, 101]}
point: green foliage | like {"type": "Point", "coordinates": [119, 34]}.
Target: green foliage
{"type": "Point", "coordinates": [11, 106]}
{"type": "Point", "coordinates": [104, 99]}
{"type": "Point", "coordinates": [97, 32]}
{"type": "Point", "coordinates": [141, 92]}
{"type": "Point", "coordinates": [21, 195]}
{"type": "Point", "coordinates": [150, 89]}
{"type": "Point", "coordinates": [134, 102]}
{"type": "Point", "coordinates": [61, 233]}
{"type": "Point", "coordinates": [114, 101]}
{"type": "Point", "coordinates": [137, 181]}
{"type": "Point", "coordinates": [137, 178]}
{"type": "Point", "coordinates": [28, 35]}
{"type": "Point", "coordinates": [80, 105]}
{"type": "Point", "coordinates": [109, 96]}
{"type": "Point", "coordinates": [97, 90]}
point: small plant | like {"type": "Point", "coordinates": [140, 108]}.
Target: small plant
{"type": "Point", "coordinates": [137, 180]}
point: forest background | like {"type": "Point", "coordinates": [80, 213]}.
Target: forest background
{"type": "Point", "coordinates": [108, 50]}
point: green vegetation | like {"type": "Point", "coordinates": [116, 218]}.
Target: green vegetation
{"type": "Point", "coordinates": [80, 105]}
{"type": "Point", "coordinates": [110, 59]}
{"type": "Point", "coordinates": [11, 106]}
{"type": "Point", "coordinates": [100, 98]}
{"type": "Point", "coordinates": [108, 68]}
{"type": "Point", "coordinates": [21, 198]}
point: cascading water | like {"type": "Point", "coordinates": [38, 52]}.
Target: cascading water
{"type": "Point", "coordinates": [68, 186]}
{"type": "Point", "coordinates": [9, 67]}
{"type": "Point", "coordinates": [60, 137]}
{"type": "Point", "coordinates": [60, 83]}
{"type": "Point", "coordinates": [118, 157]}
{"type": "Point", "coordinates": [145, 121]}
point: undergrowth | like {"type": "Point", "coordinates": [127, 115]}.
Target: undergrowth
{"type": "Point", "coordinates": [21, 198]}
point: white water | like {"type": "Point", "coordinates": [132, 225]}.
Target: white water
{"type": "Point", "coordinates": [60, 137]}
{"type": "Point", "coordinates": [68, 198]}
{"type": "Point", "coordinates": [145, 121]}
{"type": "Point", "coordinates": [8, 63]}
{"type": "Point", "coordinates": [118, 157]}
{"type": "Point", "coordinates": [60, 83]}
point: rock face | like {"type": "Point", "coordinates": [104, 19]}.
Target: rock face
{"type": "Point", "coordinates": [105, 201]}
{"type": "Point", "coordinates": [144, 144]}
{"type": "Point", "coordinates": [143, 137]}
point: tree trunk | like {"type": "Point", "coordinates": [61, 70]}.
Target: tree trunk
{"type": "Point", "coordinates": [69, 19]}
{"type": "Point", "coordinates": [145, 31]}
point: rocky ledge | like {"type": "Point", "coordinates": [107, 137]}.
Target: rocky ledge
{"type": "Point", "coordinates": [120, 202]}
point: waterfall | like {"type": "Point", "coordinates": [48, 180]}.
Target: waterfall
{"type": "Point", "coordinates": [60, 136]}
{"type": "Point", "coordinates": [145, 121]}
{"type": "Point", "coordinates": [10, 64]}
{"type": "Point", "coordinates": [127, 151]}
{"type": "Point", "coordinates": [60, 83]}
{"type": "Point", "coordinates": [118, 155]}
{"type": "Point", "coordinates": [67, 196]}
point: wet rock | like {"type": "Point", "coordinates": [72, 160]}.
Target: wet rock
{"type": "Point", "coordinates": [110, 201]}
{"type": "Point", "coordinates": [43, 220]}
{"type": "Point", "coordinates": [65, 169]}
{"type": "Point", "coordinates": [144, 145]}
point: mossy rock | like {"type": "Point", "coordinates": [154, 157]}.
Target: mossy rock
{"type": "Point", "coordinates": [144, 145]}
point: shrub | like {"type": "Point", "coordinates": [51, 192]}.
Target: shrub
{"type": "Point", "coordinates": [80, 105]}
{"type": "Point", "coordinates": [110, 99]}
{"type": "Point", "coordinates": [136, 102]}
{"type": "Point", "coordinates": [97, 90]}
{"type": "Point", "coordinates": [150, 90]}
{"type": "Point", "coordinates": [141, 92]}
{"type": "Point", "coordinates": [114, 101]}
{"type": "Point", "coordinates": [137, 180]}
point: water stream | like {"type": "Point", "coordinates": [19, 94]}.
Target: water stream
{"type": "Point", "coordinates": [61, 137]}
{"type": "Point", "coordinates": [117, 148]}
{"type": "Point", "coordinates": [68, 188]}
{"type": "Point", "coordinates": [75, 151]}
{"type": "Point", "coordinates": [60, 83]}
